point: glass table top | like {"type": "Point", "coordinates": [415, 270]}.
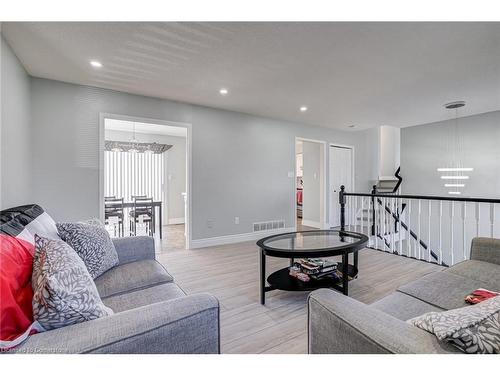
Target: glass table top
{"type": "Point", "coordinates": [311, 240]}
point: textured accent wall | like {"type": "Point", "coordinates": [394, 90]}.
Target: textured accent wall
{"type": "Point", "coordinates": [240, 162]}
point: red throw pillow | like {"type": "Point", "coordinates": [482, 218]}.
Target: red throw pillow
{"type": "Point", "coordinates": [16, 315]}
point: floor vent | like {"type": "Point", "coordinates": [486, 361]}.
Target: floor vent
{"type": "Point", "coordinates": [268, 225]}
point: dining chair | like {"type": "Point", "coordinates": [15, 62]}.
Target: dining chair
{"type": "Point", "coordinates": [142, 208]}
{"type": "Point", "coordinates": [114, 211]}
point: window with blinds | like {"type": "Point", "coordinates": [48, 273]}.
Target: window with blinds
{"type": "Point", "coordinates": [127, 174]}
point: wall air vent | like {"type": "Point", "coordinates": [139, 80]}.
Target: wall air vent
{"type": "Point", "coordinates": [268, 225]}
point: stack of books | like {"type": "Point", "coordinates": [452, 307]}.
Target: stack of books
{"type": "Point", "coordinates": [314, 268]}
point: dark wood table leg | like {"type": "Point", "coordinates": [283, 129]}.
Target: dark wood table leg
{"type": "Point", "coordinates": [262, 277]}
{"type": "Point", "coordinates": [292, 261]}
{"type": "Point", "coordinates": [356, 259]}
{"type": "Point", "coordinates": [345, 275]}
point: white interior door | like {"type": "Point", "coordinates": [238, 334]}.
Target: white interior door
{"type": "Point", "coordinates": [340, 174]}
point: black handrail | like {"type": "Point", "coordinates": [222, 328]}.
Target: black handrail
{"type": "Point", "coordinates": [400, 180]}
{"type": "Point", "coordinates": [425, 197]}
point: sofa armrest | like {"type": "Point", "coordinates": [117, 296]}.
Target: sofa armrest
{"type": "Point", "coordinates": [339, 324]}
{"type": "Point", "coordinates": [131, 249]}
{"type": "Point", "coordinates": [485, 249]}
{"type": "Point", "coordinates": [183, 325]}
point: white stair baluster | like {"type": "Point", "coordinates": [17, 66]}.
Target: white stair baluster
{"type": "Point", "coordinates": [440, 260]}
{"type": "Point", "coordinates": [400, 216]}
{"type": "Point", "coordinates": [419, 235]}
{"type": "Point", "coordinates": [408, 241]}
{"type": "Point", "coordinates": [375, 221]}
{"type": "Point", "coordinates": [452, 214]}
{"type": "Point", "coordinates": [478, 217]}
{"type": "Point", "coordinates": [384, 226]}
{"type": "Point", "coordinates": [356, 214]}
{"type": "Point", "coordinates": [492, 219]}
{"type": "Point", "coordinates": [392, 223]}
{"type": "Point", "coordinates": [362, 215]}
{"type": "Point", "coordinates": [464, 228]}
{"type": "Point", "coordinates": [429, 214]}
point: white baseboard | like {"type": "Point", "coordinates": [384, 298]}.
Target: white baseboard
{"type": "Point", "coordinates": [176, 220]}
{"type": "Point", "coordinates": [235, 238]}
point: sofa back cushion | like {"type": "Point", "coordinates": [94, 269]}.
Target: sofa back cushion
{"type": "Point", "coordinates": [24, 222]}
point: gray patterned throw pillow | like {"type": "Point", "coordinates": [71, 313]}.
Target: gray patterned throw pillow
{"type": "Point", "coordinates": [63, 290]}
{"type": "Point", "coordinates": [472, 329]}
{"type": "Point", "coordinates": [92, 243]}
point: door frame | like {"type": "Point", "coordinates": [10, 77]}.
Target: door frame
{"type": "Point", "coordinates": [189, 155]}
{"type": "Point", "coordinates": [323, 202]}
{"type": "Point", "coordinates": [330, 186]}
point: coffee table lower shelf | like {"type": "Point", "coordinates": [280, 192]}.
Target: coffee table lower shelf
{"type": "Point", "coordinates": [282, 280]}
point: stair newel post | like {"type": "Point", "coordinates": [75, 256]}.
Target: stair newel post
{"type": "Point", "coordinates": [374, 191]}
{"type": "Point", "coordinates": [342, 207]}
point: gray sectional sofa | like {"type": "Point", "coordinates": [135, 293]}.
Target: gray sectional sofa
{"type": "Point", "coordinates": [152, 314]}
{"type": "Point", "coordinates": [339, 324]}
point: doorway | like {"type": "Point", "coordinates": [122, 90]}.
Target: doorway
{"type": "Point", "coordinates": [341, 173]}
{"type": "Point", "coordinates": [309, 184]}
{"type": "Point", "coordinates": [145, 168]}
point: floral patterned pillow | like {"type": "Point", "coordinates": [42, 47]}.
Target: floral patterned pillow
{"type": "Point", "coordinates": [472, 329]}
{"type": "Point", "coordinates": [92, 243]}
{"type": "Point", "coordinates": [63, 290]}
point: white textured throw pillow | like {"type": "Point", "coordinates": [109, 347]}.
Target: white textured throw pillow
{"type": "Point", "coordinates": [63, 290]}
{"type": "Point", "coordinates": [92, 243]}
{"type": "Point", "coordinates": [472, 329]}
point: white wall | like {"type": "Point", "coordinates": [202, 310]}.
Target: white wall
{"type": "Point", "coordinates": [175, 168]}
{"type": "Point", "coordinates": [15, 155]}
{"type": "Point", "coordinates": [389, 151]}
{"type": "Point", "coordinates": [240, 163]}
{"type": "Point", "coordinates": [424, 149]}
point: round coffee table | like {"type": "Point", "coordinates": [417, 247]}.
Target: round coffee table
{"type": "Point", "coordinates": [309, 244]}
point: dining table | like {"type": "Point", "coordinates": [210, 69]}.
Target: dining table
{"type": "Point", "coordinates": [156, 207]}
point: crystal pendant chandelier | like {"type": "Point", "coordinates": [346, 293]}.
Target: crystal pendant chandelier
{"type": "Point", "coordinates": [454, 174]}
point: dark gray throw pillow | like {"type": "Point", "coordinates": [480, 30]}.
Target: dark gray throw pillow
{"type": "Point", "coordinates": [63, 290]}
{"type": "Point", "coordinates": [92, 243]}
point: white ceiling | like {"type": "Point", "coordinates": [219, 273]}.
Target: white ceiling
{"type": "Point", "coordinates": [363, 74]}
{"type": "Point", "coordinates": [144, 128]}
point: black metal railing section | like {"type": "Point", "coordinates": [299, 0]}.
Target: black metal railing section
{"type": "Point", "coordinates": [432, 228]}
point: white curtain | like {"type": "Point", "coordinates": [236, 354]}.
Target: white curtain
{"type": "Point", "coordinates": [127, 174]}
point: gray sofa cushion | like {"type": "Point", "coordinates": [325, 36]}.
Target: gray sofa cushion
{"type": "Point", "coordinates": [143, 297]}
{"type": "Point", "coordinates": [131, 276]}
{"type": "Point", "coordinates": [183, 325]}
{"type": "Point", "coordinates": [403, 306]}
{"type": "Point", "coordinates": [445, 290]}
{"type": "Point", "coordinates": [478, 270]}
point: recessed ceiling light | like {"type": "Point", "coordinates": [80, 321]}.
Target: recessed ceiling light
{"type": "Point", "coordinates": [454, 185]}
{"type": "Point", "coordinates": [223, 91]}
{"type": "Point", "coordinates": [454, 177]}
{"type": "Point", "coordinates": [455, 169]}
{"type": "Point", "coordinates": [454, 193]}
{"type": "Point", "coordinates": [96, 64]}
{"type": "Point", "coordinates": [303, 108]}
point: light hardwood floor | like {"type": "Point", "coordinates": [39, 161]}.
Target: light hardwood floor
{"type": "Point", "coordinates": [231, 273]}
